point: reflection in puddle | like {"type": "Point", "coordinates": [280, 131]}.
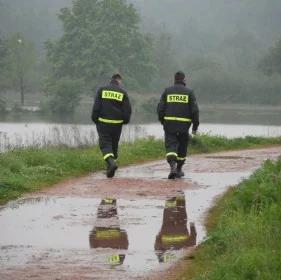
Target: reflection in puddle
{"type": "Point", "coordinates": [174, 234]}
{"type": "Point", "coordinates": [131, 238]}
{"type": "Point", "coordinates": [107, 232]}
{"type": "Point", "coordinates": [106, 235]}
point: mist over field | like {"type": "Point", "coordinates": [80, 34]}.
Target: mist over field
{"type": "Point", "coordinates": [229, 50]}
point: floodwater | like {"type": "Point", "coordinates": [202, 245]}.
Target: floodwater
{"type": "Point", "coordinates": [14, 135]}
{"type": "Point", "coordinates": [135, 226]}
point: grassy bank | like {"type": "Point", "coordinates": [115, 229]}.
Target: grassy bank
{"type": "Point", "coordinates": [244, 232]}
{"type": "Point", "coordinates": [27, 170]}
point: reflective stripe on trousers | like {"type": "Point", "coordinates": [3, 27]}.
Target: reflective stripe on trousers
{"type": "Point", "coordinates": [108, 155]}
{"type": "Point", "coordinates": [171, 154]}
{"type": "Point", "coordinates": [110, 121]}
{"type": "Point", "coordinates": [177, 119]}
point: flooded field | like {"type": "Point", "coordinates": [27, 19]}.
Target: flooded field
{"type": "Point", "coordinates": [135, 226]}
{"type": "Point", "coordinates": [14, 135]}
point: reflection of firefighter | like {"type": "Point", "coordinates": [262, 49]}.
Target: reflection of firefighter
{"type": "Point", "coordinates": [174, 234]}
{"type": "Point", "coordinates": [107, 232]}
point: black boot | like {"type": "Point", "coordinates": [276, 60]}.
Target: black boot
{"type": "Point", "coordinates": [173, 170]}
{"type": "Point", "coordinates": [180, 173]}
{"type": "Point", "coordinates": [111, 167]}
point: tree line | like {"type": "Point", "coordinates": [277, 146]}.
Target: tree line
{"type": "Point", "coordinates": [98, 38]}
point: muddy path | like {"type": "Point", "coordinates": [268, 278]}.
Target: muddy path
{"type": "Point", "coordinates": [135, 226]}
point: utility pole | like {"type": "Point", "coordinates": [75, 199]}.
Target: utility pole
{"type": "Point", "coordinates": [20, 71]}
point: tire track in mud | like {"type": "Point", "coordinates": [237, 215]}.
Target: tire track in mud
{"type": "Point", "coordinates": [135, 226]}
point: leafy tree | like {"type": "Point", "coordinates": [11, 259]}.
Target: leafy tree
{"type": "Point", "coordinates": [3, 72]}
{"type": "Point", "coordinates": [20, 61]}
{"type": "Point", "coordinates": [4, 67]}
{"type": "Point", "coordinates": [101, 37]}
{"type": "Point", "coordinates": [65, 96]}
{"type": "Point", "coordinates": [17, 60]}
{"type": "Point", "coordinates": [150, 105]}
{"type": "Point", "coordinates": [2, 107]}
{"type": "Point", "coordinates": [164, 59]}
{"type": "Point", "coordinates": [271, 63]}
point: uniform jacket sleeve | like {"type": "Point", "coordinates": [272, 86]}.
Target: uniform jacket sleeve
{"type": "Point", "coordinates": [194, 112]}
{"type": "Point", "coordinates": [161, 108]}
{"type": "Point", "coordinates": [97, 107]}
{"type": "Point", "coordinates": [127, 109]}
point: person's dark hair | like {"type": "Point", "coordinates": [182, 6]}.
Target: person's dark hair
{"type": "Point", "coordinates": [179, 76]}
{"type": "Point", "coordinates": [116, 77]}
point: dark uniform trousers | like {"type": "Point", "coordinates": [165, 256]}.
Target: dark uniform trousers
{"type": "Point", "coordinates": [109, 136]}
{"type": "Point", "coordinates": [176, 144]}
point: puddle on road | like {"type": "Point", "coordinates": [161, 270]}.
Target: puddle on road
{"type": "Point", "coordinates": [228, 157]}
{"type": "Point", "coordinates": [107, 236]}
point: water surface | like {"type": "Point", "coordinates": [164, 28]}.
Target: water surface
{"type": "Point", "coordinates": [39, 134]}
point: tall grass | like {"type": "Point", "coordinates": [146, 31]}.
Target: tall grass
{"type": "Point", "coordinates": [46, 135]}
{"type": "Point", "coordinates": [244, 239]}
{"type": "Point", "coordinates": [206, 143]}
{"type": "Point", "coordinates": [27, 170]}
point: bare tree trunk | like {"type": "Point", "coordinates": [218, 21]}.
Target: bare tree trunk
{"type": "Point", "coordinates": [22, 90]}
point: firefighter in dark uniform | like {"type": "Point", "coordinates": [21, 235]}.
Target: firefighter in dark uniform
{"type": "Point", "coordinates": [107, 232]}
{"type": "Point", "coordinates": [177, 110]}
{"type": "Point", "coordinates": [174, 234]}
{"type": "Point", "coordinates": [111, 110]}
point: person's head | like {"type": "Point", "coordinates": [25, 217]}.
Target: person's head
{"type": "Point", "coordinates": [117, 78]}
{"type": "Point", "coordinates": [180, 77]}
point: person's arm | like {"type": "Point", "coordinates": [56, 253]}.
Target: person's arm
{"type": "Point", "coordinates": [161, 108]}
{"type": "Point", "coordinates": [194, 113]}
{"type": "Point", "coordinates": [97, 107]}
{"type": "Point", "coordinates": [127, 109]}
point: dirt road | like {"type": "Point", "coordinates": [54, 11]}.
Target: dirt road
{"type": "Point", "coordinates": [135, 226]}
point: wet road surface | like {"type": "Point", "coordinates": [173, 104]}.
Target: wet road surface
{"type": "Point", "coordinates": [135, 226]}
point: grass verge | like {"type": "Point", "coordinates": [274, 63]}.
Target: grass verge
{"type": "Point", "coordinates": [244, 232]}
{"type": "Point", "coordinates": [27, 170]}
